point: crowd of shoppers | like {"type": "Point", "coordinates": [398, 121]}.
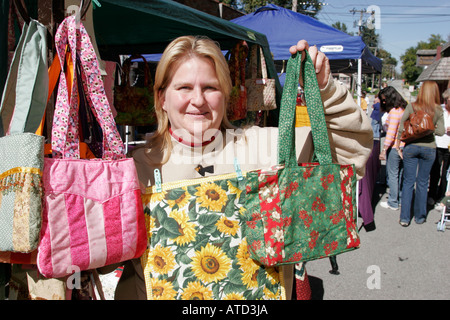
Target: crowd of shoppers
{"type": "Point", "coordinates": [416, 171]}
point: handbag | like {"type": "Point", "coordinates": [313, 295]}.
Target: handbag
{"type": "Point", "coordinates": [93, 214]}
{"type": "Point", "coordinates": [298, 213]}
{"type": "Point", "coordinates": [260, 91]}
{"type": "Point", "coordinates": [134, 104]}
{"type": "Point", "coordinates": [237, 107]}
{"type": "Point", "coordinates": [23, 104]}
{"type": "Point", "coordinates": [418, 125]}
{"type": "Point", "coordinates": [197, 247]}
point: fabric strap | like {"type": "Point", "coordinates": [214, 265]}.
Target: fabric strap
{"type": "Point", "coordinates": [25, 95]}
{"type": "Point", "coordinates": [286, 140]}
{"type": "Point", "coordinates": [65, 137]}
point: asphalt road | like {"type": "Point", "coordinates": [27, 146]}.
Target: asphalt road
{"type": "Point", "coordinates": [393, 262]}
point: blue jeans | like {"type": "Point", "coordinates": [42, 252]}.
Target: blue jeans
{"type": "Point", "coordinates": [394, 169]}
{"type": "Point", "coordinates": [417, 163]}
{"type": "Point", "coordinates": [376, 127]}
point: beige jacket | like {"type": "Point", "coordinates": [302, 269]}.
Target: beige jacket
{"type": "Point", "coordinates": [350, 135]}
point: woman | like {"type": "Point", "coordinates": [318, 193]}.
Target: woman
{"type": "Point", "coordinates": [195, 139]}
{"type": "Point", "coordinates": [418, 156]}
{"type": "Point", "coordinates": [392, 100]}
{"type": "Point", "coordinates": [438, 174]}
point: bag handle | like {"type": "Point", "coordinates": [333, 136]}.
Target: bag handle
{"type": "Point", "coordinates": [125, 75]}
{"type": "Point", "coordinates": [254, 62]}
{"type": "Point", "coordinates": [286, 141]}
{"type": "Point", "coordinates": [25, 95]}
{"type": "Point", "coordinates": [65, 138]}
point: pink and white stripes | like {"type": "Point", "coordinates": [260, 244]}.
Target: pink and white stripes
{"type": "Point", "coordinates": [87, 228]}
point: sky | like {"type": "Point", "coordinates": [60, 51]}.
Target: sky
{"type": "Point", "coordinates": [403, 23]}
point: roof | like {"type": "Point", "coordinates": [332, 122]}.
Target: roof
{"type": "Point", "coordinates": [438, 70]}
{"type": "Point", "coordinates": [427, 52]}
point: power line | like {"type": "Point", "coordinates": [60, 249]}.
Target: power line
{"type": "Point", "coordinates": [390, 5]}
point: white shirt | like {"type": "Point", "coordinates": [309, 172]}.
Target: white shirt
{"type": "Point", "coordinates": [444, 141]}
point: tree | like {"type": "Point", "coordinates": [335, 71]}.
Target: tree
{"type": "Point", "coordinates": [389, 63]}
{"type": "Point", "coordinates": [409, 69]}
{"type": "Point", "coordinates": [310, 8]}
{"type": "Point", "coordinates": [342, 27]}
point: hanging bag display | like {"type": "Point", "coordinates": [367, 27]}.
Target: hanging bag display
{"type": "Point", "coordinates": [93, 214]}
{"type": "Point", "coordinates": [260, 91]}
{"type": "Point", "coordinates": [419, 124]}
{"type": "Point", "coordinates": [134, 104]}
{"type": "Point", "coordinates": [237, 107]}
{"type": "Point", "coordinates": [300, 212]}
{"type": "Point", "coordinates": [22, 151]}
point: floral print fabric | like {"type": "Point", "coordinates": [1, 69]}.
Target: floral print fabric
{"type": "Point", "coordinates": [301, 214]}
{"type": "Point", "coordinates": [197, 248]}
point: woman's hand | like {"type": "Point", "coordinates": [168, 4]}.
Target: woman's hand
{"type": "Point", "coordinates": [319, 59]}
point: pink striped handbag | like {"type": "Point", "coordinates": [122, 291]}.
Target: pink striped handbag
{"type": "Point", "coordinates": [93, 214]}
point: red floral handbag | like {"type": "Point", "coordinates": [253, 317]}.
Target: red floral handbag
{"type": "Point", "coordinates": [298, 213]}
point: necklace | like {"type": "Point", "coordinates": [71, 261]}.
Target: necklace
{"type": "Point", "coordinates": [192, 144]}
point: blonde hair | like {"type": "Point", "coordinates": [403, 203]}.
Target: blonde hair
{"type": "Point", "coordinates": [178, 51]}
{"type": "Point", "coordinates": [428, 97]}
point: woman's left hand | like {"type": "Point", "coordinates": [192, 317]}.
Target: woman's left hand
{"type": "Point", "coordinates": [319, 59]}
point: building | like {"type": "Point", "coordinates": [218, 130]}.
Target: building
{"type": "Point", "coordinates": [439, 69]}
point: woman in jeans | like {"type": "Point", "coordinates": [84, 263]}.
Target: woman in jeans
{"type": "Point", "coordinates": [393, 101]}
{"type": "Point", "coordinates": [418, 155]}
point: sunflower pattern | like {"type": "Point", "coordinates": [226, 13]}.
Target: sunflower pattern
{"type": "Point", "coordinates": [197, 249]}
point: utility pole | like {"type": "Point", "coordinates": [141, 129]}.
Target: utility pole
{"type": "Point", "coordinates": [361, 12]}
{"type": "Point", "coordinates": [360, 23]}
{"type": "Point", "coordinates": [358, 82]}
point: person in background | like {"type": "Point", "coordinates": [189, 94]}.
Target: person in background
{"type": "Point", "coordinates": [376, 115]}
{"type": "Point", "coordinates": [364, 101]}
{"type": "Point", "coordinates": [438, 174]}
{"type": "Point", "coordinates": [392, 100]}
{"type": "Point", "coordinates": [418, 155]}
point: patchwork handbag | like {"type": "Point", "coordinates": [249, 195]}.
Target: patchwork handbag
{"type": "Point", "coordinates": [93, 214]}
{"type": "Point", "coordinates": [135, 103]}
{"type": "Point", "coordinates": [298, 213]}
{"type": "Point", "coordinates": [22, 151]}
{"type": "Point", "coordinates": [197, 247]}
{"type": "Point", "coordinates": [260, 91]}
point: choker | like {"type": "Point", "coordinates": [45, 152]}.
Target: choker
{"type": "Point", "coordinates": [192, 144]}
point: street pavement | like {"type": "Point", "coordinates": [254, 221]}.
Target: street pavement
{"type": "Point", "coordinates": [393, 262]}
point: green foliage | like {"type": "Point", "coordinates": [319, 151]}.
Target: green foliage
{"type": "Point", "coordinates": [342, 27]}
{"type": "Point", "coordinates": [312, 7]}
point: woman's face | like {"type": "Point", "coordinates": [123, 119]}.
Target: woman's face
{"type": "Point", "coordinates": [193, 100]}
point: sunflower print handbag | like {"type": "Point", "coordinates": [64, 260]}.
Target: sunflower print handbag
{"type": "Point", "coordinates": [197, 248]}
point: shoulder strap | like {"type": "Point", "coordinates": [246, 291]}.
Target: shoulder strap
{"type": "Point", "coordinates": [286, 140]}
{"type": "Point", "coordinates": [65, 138]}
{"type": "Point", "coordinates": [25, 95]}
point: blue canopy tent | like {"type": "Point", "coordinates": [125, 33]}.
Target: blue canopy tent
{"type": "Point", "coordinates": [284, 27]}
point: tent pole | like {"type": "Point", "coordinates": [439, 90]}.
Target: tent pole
{"type": "Point", "coordinates": [358, 85]}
